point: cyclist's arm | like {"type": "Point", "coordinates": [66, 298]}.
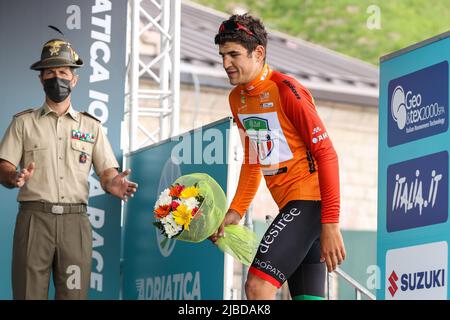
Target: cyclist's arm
{"type": "Point", "coordinates": [301, 111]}
{"type": "Point", "coordinates": [250, 175]}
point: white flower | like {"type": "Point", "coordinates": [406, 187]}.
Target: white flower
{"type": "Point", "coordinates": [170, 226]}
{"type": "Point", "coordinates": [191, 203]}
{"type": "Point", "coordinates": [164, 199]}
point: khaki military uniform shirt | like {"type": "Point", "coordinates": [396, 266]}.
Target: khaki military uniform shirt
{"type": "Point", "coordinates": [63, 149]}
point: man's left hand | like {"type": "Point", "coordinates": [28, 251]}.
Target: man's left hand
{"type": "Point", "coordinates": [121, 187]}
{"type": "Point", "coordinates": [332, 250]}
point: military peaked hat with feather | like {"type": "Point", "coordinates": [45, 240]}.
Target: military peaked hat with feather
{"type": "Point", "coordinates": [57, 53]}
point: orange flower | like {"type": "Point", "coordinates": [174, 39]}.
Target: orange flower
{"type": "Point", "coordinates": [175, 190]}
{"type": "Point", "coordinates": [162, 211]}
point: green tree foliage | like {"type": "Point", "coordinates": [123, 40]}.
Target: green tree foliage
{"type": "Point", "coordinates": [350, 26]}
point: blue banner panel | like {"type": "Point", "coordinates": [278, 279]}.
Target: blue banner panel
{"type": "Point", "coordinates": [417, 192]}
{"type": "Point", "coordinates": [419, 104]}
{"type": "Point", "coordinates": [97, 31]}
{"type": "Point", "coordinates": [156, 268]}
{"type": "Point", "coordinates": [413, 168]}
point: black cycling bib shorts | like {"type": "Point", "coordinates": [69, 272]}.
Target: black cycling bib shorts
{"type": "Point", "coordinates": [290, 250]}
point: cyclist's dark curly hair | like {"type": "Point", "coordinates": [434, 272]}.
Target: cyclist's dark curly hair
{"type": "Point", "coordinates": [250, 42]}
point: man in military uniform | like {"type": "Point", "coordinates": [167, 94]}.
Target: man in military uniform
{"type": "Point", "coordinates": [55, 146]}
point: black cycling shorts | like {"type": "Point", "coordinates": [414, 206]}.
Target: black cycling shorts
{"type": "Point", "coordinates": [290, 250]}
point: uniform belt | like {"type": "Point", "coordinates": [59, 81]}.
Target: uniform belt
{"type": "Point", "coordinates": [55, 208]}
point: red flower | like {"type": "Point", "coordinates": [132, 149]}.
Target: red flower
{"type": "Point", "coordinates": [162, 211]}
{"type": "Point", "coordinates": [194, 211]}
{"type": "Point", "coordinates": [175, 190]}
{"type": "Point", "coordinates": [175, 205]}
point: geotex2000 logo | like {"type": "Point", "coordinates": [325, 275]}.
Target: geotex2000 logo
{"type": "Point", "coordinates": [418, 104]}
{"type": "Point", "coordinates": [417, 192]}
{"type": "Point", "coordinates": [418, 272]}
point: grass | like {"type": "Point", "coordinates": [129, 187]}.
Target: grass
{"type": "Point", "coordinates": [342, 25]}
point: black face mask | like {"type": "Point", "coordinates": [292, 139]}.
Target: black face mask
{"type": "Point", "coordinates": [57, 89]}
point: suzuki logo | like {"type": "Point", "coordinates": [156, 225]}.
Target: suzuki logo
{"type": "Point", "coordinates": [393, 278]}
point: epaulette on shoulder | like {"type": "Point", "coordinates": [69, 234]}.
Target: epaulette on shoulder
{"type": "Point", "coordinates": [90, 115]}
{"type": "Point", "coordinates": [23, 112]}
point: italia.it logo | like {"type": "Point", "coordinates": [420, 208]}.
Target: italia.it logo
{"type": "Point", "coordinates": [393, 278]}
{"type": "Point", "coordinates": [398, 107]}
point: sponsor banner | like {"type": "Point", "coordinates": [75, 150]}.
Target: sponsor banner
{"type": "Point", "coordinates": [413, 165]}
{"type": "Point", "coordinates": [417, 272]}
{"type": "Point", "coordinates": [418, 104]}
{"type": "Point", "coordinates": [157, 268]}
{"type": "Point", "coordinates": [417, 192]}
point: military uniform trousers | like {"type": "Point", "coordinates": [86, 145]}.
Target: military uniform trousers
{"type": "Point", "coordinates": [48, 238]}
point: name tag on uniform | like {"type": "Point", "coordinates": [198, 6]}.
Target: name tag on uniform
{"type": "Point", "coordinates": [83, 136]}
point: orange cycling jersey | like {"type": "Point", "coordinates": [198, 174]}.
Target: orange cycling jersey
{"type": "Point", "coordinates": [286, 141]}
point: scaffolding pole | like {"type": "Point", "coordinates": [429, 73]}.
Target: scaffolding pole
{"type": "Point", "coordinates": [162, 71]}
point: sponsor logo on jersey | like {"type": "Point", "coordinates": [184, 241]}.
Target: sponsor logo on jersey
{"type": "Point", "coordinates": [268, 144]}
{"type": "Point", "coordinates": [258, 129]}
{"type": "Point", "coordinates": [293, 89]}
{"type": "Point", "coordinates": [320, 137]}
{"type": "Point", "coordinates": [266, 105]}
{"type": "Point", "coordinates": [264, 96]}
{"type": "Point", "coordinates": [316, 130]}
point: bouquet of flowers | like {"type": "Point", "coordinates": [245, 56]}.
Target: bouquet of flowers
{"type": "Point", "coordinates": [192, 209]}
{"type": "Point", "coordinates": [176, 207]}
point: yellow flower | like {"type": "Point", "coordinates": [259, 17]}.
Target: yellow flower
{"type": "Point", "coordinates": [189, 192]}
{"type": "Point", "coordinates": [182, 216]}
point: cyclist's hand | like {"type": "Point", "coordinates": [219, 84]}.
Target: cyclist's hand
{"type": "Point", "coordinates": [232, 217]}
{"type": "Point", "coordinates": [332, 249]}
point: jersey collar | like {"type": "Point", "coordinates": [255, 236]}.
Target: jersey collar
{"type": "Point", "coordinates": [253, 85]}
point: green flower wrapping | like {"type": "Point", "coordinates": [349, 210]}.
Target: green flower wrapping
{"type": "Point", "coordinates": [238, 241]}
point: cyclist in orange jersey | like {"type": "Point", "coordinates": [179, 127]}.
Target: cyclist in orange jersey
{"type": "Point", "coordinates": [284, 140]}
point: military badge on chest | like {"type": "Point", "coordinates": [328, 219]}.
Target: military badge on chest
{"type": "Point", "coordinates": [83, 157]}
{"type": "Point", "coordinates": [83, 136]}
